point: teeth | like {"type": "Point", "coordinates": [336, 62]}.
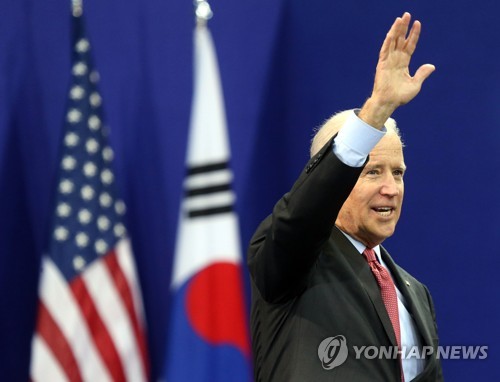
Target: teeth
{"type": "Point", "coordinates": [384, 211]}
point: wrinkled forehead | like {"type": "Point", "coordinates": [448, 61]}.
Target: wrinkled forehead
{"type": "Point", "coordinates": [389, 148]}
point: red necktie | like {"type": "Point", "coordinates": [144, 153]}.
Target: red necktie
{"type": "Point", "coordinates": [388, 292]}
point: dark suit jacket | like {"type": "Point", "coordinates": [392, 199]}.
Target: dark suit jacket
{"type": "Point", "coordinates": [310, 283]}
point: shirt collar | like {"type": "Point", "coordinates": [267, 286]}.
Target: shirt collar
{"type": "Point", "coordinates": [360, 247]}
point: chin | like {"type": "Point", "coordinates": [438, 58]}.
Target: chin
{"type": "Point", "coordinates": [380, 236]}
{"type": "Point", "coordinates": [386, 235]}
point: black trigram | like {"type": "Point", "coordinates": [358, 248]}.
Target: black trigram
{"type": "Point", "coordinates": [208, 190]}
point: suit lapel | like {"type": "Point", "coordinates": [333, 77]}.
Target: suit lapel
{"type": "Point", "coordinates": [413, 301]}
{"type": "Point", "coordinates": [367, 280]}
{"type": "Point", "coordinates": [409, 288]}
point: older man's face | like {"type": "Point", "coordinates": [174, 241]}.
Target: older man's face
{"type": "Point", "coordinates": [372, 210]}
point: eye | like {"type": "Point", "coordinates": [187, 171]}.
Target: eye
{"type": "Point", "coordinates": [399, 173]}
{"type": "Point", "coordinates": [372, 172]}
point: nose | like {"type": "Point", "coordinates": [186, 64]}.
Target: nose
{"type": "Point", "coordinates": [390, 187]}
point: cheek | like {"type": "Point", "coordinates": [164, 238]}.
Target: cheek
{"type": "Point", "coordinates": [401, 195]}
{"type": "Point", "coordinates": [350, 205]}
{"type": "Point", "coordinates": [345, 216]}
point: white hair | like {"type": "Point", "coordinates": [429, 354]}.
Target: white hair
{"type": "Point", "coordinates": [333, 125]}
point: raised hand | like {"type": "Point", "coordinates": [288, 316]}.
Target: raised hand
{"type": "Point", "coordinates": [394, 86]}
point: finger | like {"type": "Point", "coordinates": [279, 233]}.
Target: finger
{"type": "Point", "coordinates": [406, 18]}
{"type": "Point", "coordinates": [424, 72]}
{"type": "Point", "coordinates": [402, 30]}
{"type": "Point", "coordinates": [387, 46]}
{"type": "Point", "coordinates": [390, 39]}
{"type": "Point", "coordinates": [411, 42]}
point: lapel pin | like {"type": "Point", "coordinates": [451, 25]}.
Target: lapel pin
{"type": "Point", "coordinates": [407, 283]}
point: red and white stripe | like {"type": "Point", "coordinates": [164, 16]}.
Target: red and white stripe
{"type": "Point", "coordinates": [93, 328]}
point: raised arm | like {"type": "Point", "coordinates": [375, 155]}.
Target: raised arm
{"type": "Point", "coordinates": [394, 86]}
{"type": "Point", "coordinates": [287, 244]}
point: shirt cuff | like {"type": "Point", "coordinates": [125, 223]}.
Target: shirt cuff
{"type": "Point", "coordinates": [355, 140]}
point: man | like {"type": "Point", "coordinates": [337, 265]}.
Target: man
{"type": "Point", "coordinates": [322, 286]}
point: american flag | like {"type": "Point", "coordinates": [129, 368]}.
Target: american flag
{"type": "Point", "coordinates": [90, 324]}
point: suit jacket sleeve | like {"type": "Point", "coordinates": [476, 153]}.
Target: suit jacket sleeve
{"type": "Point", "coordinates": [286, 244]}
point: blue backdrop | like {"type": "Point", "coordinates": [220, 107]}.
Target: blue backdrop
{"type": "Point", "coordinates": [286, 66]}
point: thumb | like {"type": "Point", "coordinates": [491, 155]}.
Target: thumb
{"type": "Point", "coordinates": [423, 72]}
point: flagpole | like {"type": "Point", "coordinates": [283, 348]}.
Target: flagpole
{"type": "Point", "coordinates": [203, 12]}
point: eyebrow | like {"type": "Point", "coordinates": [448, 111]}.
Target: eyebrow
{"type": "Point", "coordinates": [376, 166]}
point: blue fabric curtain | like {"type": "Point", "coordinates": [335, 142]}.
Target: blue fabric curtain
{"type": "Point", "coordinates": [286, 66]}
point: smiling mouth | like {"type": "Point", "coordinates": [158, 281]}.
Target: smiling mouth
{"type": "Point", "coordinates": [384, 211]}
